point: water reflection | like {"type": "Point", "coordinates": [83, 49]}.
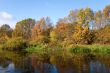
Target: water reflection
{"type": "Point", "coordinates": [54, 64]}
{"type": "Point", "coordinates": [11, 67]}
{"type": "Point", "coordinates": [97, 67]}
{"type": "Point", "coordinates": [47, 68]}
{"type": "Point", "coordinates": [36, 66]}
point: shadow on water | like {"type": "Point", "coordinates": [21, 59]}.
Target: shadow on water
{"type": "Point", "coordinates": [86, 63]}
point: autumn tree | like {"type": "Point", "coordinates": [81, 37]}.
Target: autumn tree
{"type": "Point", "coordinates": [23, 28]}
{"type": "Point", "coordinates": [77, 35]}
{"type": "Point", "coordinates": [83, 35]}
{"type": "Point", "coordinates": [41, 31]}
{"type": "Point", "coordinates": [63, 33]}
{"type": "Point", "coordinates": [88, 36]}
{"type": "Point", "coordinates": [103, 36]}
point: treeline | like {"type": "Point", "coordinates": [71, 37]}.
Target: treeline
{"type": "Point", "coordinates": [82, 26]}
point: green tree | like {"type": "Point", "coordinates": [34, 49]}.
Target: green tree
{"type": "Point", "coordinates": [23, 28]}
{"type": "Point", "coordinates": [6, 30]}
{"type": "Point", "coordinates": [5, 33]}
{"type": "Point", "coordinates": [15, 44]}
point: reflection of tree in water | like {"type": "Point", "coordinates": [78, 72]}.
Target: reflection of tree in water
{"type": "Point", "coordinates": [27, 66]}
{"type": "Point", "coordinates": [63, 64]}
{"type": "Point", "coordinates": [104, 60]}
{"type": "Point", "coordinates": [15, 57]}
{"type": "Point", "coordinates": [98, 67]}
{"type": "Point", "coordinates": [76, 64]}
{"type": "Point", "coordinates": [10, 60]}
{"type": "Point", "coordinates": [84, 63]}
{"type": "Point", "coordinates": [39, 65]}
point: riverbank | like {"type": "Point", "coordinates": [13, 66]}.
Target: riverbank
{"type": "Point", "coordinates": [76, 49]}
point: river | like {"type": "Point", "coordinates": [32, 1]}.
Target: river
{"type": "Point", "coordinates": [11, 62]}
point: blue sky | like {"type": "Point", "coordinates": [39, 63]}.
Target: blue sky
{"type": "Point", "coordinates": [12, 11]}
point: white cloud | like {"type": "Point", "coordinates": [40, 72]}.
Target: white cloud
{"type": "Point", "coordinates": [7, 18]}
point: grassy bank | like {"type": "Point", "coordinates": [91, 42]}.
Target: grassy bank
{"type": "Point", "coordinates": [76, 49]}
{"type": "Point", "coordinates": [94, 49]}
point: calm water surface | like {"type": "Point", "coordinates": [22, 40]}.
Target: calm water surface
{"type": "Point", "coordinates": [20, 63]}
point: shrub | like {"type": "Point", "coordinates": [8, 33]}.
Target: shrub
{"type": "Point", "coordinates": [15, 44]}
{"type": "Point", "coordinates": [38, 48]}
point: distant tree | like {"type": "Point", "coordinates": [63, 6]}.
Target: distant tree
{"type": "Point", "coordinates": [23, 28]}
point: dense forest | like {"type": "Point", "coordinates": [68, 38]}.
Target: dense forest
{"type": "Point", "coordinates": [79, 27]}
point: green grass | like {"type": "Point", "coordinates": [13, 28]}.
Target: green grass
{"type": "Point", "coordinates": [76, 49]}
{"type": "Point", "coordinates": [94, 49]}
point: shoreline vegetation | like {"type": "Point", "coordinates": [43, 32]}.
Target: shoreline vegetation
{"type": "Point", "coordinates": [41, 49]}
{"type": "Point", "coordinates": [80, 32]}
{"type": "Point", "coordinates": [76, 49]}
